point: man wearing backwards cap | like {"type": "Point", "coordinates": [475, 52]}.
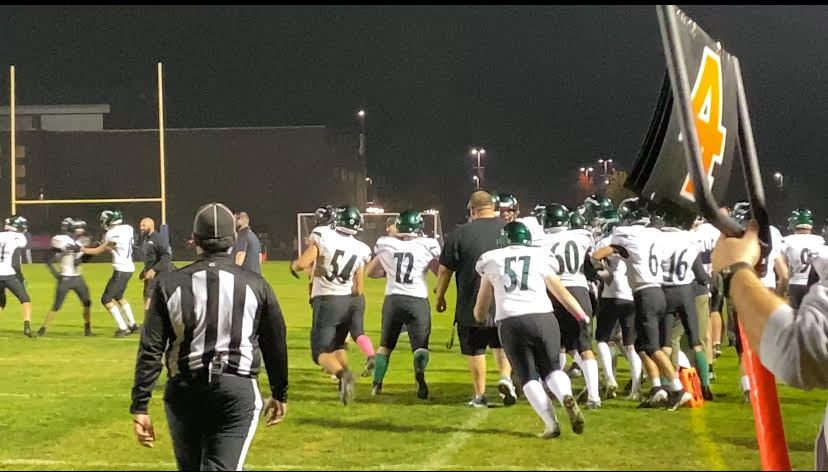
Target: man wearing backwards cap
{"type": "Point", "coordinates": [206, 313]}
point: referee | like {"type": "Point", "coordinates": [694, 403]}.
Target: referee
{"type": "Point", "coordinates": [212, 317]}
{"type": "Point", "coordinates": [157, 255]}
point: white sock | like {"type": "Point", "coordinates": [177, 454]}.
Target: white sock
{"type": "Point", "coordinates": [635, 370]}
{"type": "Point", "coordinates": [683, 361]}
{"type": "Point", "coordinates": [559, 384]}
{"type": "Point", "coordinates": [591, 377]}
{"type": "Point", "coordinates": [116, 313]}
{"type": "Point", "coordinates": [540, 402]}
{"type": "Point", "coordinates": [606, 362]}
{"type": "Point", "coordinates": [676, 385]}
{"type": "Point", "coordinates": [562, 360]}
{"type": "Point", "coordinates": [577, 358]}
{"type": "Point", "coordinates": [745, 381]}
{"type": "Point", "coordinates": [128, 311]}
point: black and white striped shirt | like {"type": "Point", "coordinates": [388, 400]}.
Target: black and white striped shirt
{"type": "Point", "coordinates": [211, 308]}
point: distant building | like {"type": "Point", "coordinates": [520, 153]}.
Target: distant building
{"type": "Point", "coordinates": [64, 152]}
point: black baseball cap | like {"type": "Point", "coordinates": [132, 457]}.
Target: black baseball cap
{"type": "Point", "coordinates": [214, 221]}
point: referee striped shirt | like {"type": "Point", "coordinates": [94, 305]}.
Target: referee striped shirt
{"type": "Point", "coordinates": [211, 308]}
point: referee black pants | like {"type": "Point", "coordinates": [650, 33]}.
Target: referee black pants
{"type": "Point", "coordinates": [212, 425]}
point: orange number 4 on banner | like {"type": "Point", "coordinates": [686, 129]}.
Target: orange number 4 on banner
{"type": "Point", "coordinates": [707, 105]}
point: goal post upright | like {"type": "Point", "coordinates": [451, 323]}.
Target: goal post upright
{"type": "Point", "coordinates": [13, 148]}
{"type": "Point", "coordinates": [161, 199]}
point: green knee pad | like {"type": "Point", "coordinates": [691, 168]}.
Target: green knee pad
{"type": "Point", "coordinates": [420, 360]}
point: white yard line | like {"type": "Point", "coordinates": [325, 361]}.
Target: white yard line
{"type": "Point", "coordinates": [455, 441]}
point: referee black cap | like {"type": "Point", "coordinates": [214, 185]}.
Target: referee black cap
{"type": "Point", "coordinates": [214, 221]}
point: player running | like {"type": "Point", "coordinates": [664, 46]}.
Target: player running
{"type": "Point", "coordinates": [404, 260]}
{"type": "Point", "coordinates": [518, 276]}
{"type": "Point", "coordinates": [571, 248]}
{"type": "Point", "coordinates": [337, 295]}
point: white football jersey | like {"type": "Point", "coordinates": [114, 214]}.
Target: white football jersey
{"type": "Point", "coordinates": [10, 241]}
{"type": "Point", "coordinates": [569, 248]}
{"type": "Point", "coordinates": [340, 255]}
{"type": "Point", "coordinates": [645, 255]}
{"type": "Point", "coordinates": [535, 229]}
{"type": "Point", "coordinates": [777, 249]}
{"type": "Point", "coordinates": [517, 274]}
{"type": "Point", "coordinates": [680, 251]}
{"type": "Point", "coordinates": [798, 251]}
{"type": "Point", "coordinates": [707, 235]}
{"type": "Point", "coordinates": [123, 236]}
{"type": "Point", "coordinates": [406, 264]}
{"type": "Point", "coordinates": [70, 254]}
{"type": "Point", "coordinates": [619, 287]}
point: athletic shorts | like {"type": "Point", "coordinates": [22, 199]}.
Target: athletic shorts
{"type": "Point", "coordinates": [532, 344]}
{"type": "Point", "coordinates": [475, 339]}
{"type": "Point", "coordinates": [611, 313]}
{"type": "Point", "coordinates": [575, 335]}
{"type": "Point", "coordinates": [15, 286]}
{"type": "Point", "coordinates": [797, 293]}
{"type": "Point", "coordinates": [332, 315]}
{"type": "Point", "coordinates": [681, 301]}
{"type": "Point", "coordinates": [652, 325]}
{"type": "Point", "coordinates": [402, 310]}
{"type": "Point", "coordinates": [116, 286]}
{"type": "Point", "coordinates": [73, 283]}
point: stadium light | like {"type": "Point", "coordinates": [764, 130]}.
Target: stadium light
{"type": "Point", "coordinates": [476, 182]}
{"type": "Point", "coordinates": [779, 179]}
{"type": "Point", "coordinates": [361, 113]}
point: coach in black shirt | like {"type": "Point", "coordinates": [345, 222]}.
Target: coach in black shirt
{"type": "Point", "coordinates": [462, 249]}
{"type": "Point", "coordinates": [248, 250]}
{"type": "Point", "coordinates": [157, 255]}
{"type": "Point", "coordinates": [212, 318]}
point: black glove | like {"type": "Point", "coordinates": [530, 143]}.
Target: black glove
{"type": "Point", "coordinates": [293, 272]}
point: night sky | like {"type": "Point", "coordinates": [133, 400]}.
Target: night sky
{"type": "Point", "coordinates": [543, 89]}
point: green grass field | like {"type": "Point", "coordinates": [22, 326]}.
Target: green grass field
{"type": "Point", "coordinates": [64, 404]}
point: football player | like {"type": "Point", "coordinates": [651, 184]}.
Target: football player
{"type": "Point", "coordinates": [337, 296]}
{"type": "Point", "coordinates": [517, 276]}
{"type": "Point", "coordinates": [616, 307]}
{"type": "Point", "coordinates": [119, 240]}
{"type": "Point", "coordinates": [67, 250]}
{"type": "Point", "coordinates": [798, 249]}
{"type": "Point", "coordinates": [571, 248]}
{"type": "Point", "coordinates": [11, 240]}
{"type": "Point", "coordinates": [681, 252]}
{"type": "Point", "coordinates": [534, 223]}
{"type": "Point", "coordinates": [507, 207]}
{"type": "Point", "coordinates": [404, 260]}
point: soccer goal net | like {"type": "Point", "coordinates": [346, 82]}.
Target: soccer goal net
{"type": "Point", "coordinates": [374, 225]}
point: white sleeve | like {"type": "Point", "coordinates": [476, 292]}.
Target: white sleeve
{"type": "Point", "coordinates": [795, 349]}
{"type": "Point", "coordinates": [549, 265]}
{"type": "Point", "coordinates": [434, 248]}
{"type": "Point", "coordinates": [480, 267]}
{"type": "Point", "coordinates": [316, 238]}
